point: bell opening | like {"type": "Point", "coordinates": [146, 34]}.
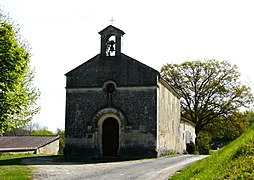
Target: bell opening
{"type": "Point", "coordinates": [110, 46]}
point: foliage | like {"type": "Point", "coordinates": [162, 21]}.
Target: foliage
{"type": "Point", "coordinates": [169, 153]}
{"type": "Point", "coordinates": [250, 117]}
{"type": "Point", "coordinates": [211, 90]}
{"type": "Point", "coordinates": [43, 132]}
{"type": "Point", "coordinates": [17, 94]}
{"type": "Point", "coordinates": [36, 129]}
{"type": "Point", "coordinates": [234, 161]}
{"type": "Point", "coordinates": [230, 128]}
{"type": "Point", "coordinates": [61, 133]}
{"type": "Point", "coordinates": [32, 128]}
{"type": "Point", "coordinates": [20, 131]}
{"type": "Point", "coordinates": [191, 148]}
{"type": "Point", "coordinates": [204, 140]}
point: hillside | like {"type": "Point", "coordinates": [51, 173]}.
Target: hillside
{"type": "Point", "coordinates": [234, 161]}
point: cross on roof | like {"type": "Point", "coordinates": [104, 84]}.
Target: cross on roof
{"type": "Point", "coordinates": [112, 20]}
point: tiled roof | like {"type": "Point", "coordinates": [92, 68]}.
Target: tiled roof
{"type": "Point", "coordinates": [24, 143]}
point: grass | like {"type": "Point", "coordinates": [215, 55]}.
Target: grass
{"type": "Point", "coordinates": [234, 161]}
{"type": "Point", "coordinates": [11, 169]}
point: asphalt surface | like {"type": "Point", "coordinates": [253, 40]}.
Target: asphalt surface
{"type": "Point", "coordinates": [148, 169]}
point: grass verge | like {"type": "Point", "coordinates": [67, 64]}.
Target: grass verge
{"type": "Point", "coordinates": [11, 169]}
{"type": "Point", "coordinates": [234, 161]}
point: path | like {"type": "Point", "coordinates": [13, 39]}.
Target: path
{"type": "Point", "coordinates": [159, 169]}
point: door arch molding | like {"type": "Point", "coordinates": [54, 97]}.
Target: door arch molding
{"type": "Point", "coordinates": [114, 112]}
{"type": "Point", "coordinates": [100, 130]}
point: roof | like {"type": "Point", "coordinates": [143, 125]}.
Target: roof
{"type": "Point", "coordinates": [188, 121]}
{"type": "Point", "coordinates": [25, 143]}
{"type": "Point", "coordinates": [169, 87]}
{"type": "Point", "coordinates": [111, 28]}
{"type": "Point", "coordinates": [122, 69]}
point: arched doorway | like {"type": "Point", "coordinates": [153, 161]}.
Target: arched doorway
{"type": "Point", "coordinates": [110, 137]}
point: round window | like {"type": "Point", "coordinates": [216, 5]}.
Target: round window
{"type": "Point", "coordinates": [110, 87]}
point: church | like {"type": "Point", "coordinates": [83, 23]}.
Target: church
{"type": "Point", "coordinates": [119, 107]}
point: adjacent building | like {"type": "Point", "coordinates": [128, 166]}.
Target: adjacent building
{"type": "Point", "coordinates": [29, 144]}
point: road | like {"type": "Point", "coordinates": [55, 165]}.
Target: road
{"type": "Point", "coordinates": [151, 169]}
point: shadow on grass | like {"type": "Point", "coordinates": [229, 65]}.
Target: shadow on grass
{"type": "Point", "coordinates": [56, 160]}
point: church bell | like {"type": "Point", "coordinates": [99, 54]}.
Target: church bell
{"type": "Point", "coordinates": [111, 44]}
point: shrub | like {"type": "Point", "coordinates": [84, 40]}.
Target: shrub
{"type": "Point", "coordinates": [191, 148]}
{"type": "Point", "coordinates": [204, 139]}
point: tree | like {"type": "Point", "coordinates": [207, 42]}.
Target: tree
{"type": "Point", "coordinates": [42, 132]}
{"type": "Point", "coordinates": [61, 133]}
{"type": "Point", "coordinates": [204, 140]}
{"type": "Point", "coordinates": [34, 126]}
{"type": "Point", "coordinates": [36, 129]}
{"type": "Point", "coordinates": [211, 90]}
{"type": "Point", "coordinates": [17, 93]}
{"type": "Point", "coordinates": [230, 128]}
{"type": "Point", "coordinates": [250, 117]}
{"type": "Point", "coordinates": [31, 128]}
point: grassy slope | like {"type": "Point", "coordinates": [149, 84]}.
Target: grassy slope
{"type": "Point", "coordinates": [234, 161]}
{"type": "Point", "coordinates": [10, 168]}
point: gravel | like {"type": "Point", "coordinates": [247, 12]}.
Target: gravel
{"type": "Point", "coordinates": [47, 168]}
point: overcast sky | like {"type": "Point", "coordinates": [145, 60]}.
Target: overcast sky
{"type": "Point", "coordinates": [64, 33]}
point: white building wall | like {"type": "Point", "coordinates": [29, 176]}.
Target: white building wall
{"type": "Point", "coordinates": [188, 133]}
{"type": "Point", "coordinates": [169, 132]}
{"type": "Point", "coordinates": [51, 148]}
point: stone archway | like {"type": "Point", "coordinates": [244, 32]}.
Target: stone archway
{"type": "Point", "coordinates": [97, 125]}
{"type": "Point", "coordinates": [110, 137]}
{"type": "Point", "coordinates": [104, 113]}
{"type": "Point", "coordinates": [108, 122]}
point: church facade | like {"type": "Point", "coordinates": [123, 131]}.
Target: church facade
{"type": "Point", "coordinates": [118, 107]}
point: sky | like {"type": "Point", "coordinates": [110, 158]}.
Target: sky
{"type": "Point", "coordinates": [64, 34]}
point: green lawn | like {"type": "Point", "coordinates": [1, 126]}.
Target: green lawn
{"type": "Point", "coordinates": [10, 167]}
{"type": "Point", "coordinates": [234, 161]}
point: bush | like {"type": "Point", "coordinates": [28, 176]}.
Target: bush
{"type": "Point", "coordinates": [191, 148]}
{"type": "Point", "coordinates": [204, 139]}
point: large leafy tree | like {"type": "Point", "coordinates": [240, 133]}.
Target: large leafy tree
{"type": "Point", "coordinates": [17, 94]}
{"type": "Point", "coordinates": [211, 90]}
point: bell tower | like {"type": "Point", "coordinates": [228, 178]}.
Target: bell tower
{"type": "Point", "coordinates": [111, 41]}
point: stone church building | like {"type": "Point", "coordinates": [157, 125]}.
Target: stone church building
{"type": "Point", "coordinates": [118, 107]}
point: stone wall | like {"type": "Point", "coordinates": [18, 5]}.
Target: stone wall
{"type": "Point", "coordinates": [81, 106]}
{"type": "Point", "coordinates": [168, 120]}
{"type": "Point", "coordinates": [134, 107]}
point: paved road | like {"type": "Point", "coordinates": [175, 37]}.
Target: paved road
{"type": "Point", "coordinates": [159, 169]}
